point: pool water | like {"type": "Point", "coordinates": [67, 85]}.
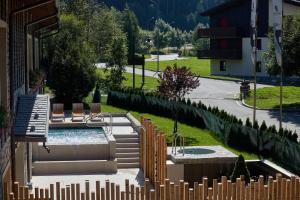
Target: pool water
{"type": "Point", "coordinates": [196, 151]}
{"type": "Point", "coordinates": [76, 136]}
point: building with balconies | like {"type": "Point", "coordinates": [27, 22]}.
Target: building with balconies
{"type": "Point", "coordinates": [23, 24]}
{"type": "Point", "coordinates": [229, 36]}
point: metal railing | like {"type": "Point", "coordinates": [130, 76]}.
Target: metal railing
{"type": "Point", "coordinates": [108, 128]}
{"type": "Point", "coordinates": [174, 143]}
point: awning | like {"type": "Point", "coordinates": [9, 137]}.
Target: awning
{"type": "Point", "coordinates": [32, 118]}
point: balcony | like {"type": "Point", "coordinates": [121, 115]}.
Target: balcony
{"type": "Point", "coordinates": [215, 33]}
{"type": "Point", "coordinates": [235, 54]}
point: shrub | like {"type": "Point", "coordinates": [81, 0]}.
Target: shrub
{"type": "Point", "coordinates": [248, 123]}
{"type": "Point", "coordinates": [240, 168]}
{"type": "Point", "coordinates": [255, 125]}
{"type": "Point", "coordinates": [72, 71]}
{"type": "Point", "coordinates": [97, 95]}
{"type": "Point", "coordinates": [263, 126]}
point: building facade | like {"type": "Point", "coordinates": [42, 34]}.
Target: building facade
{"type": "Point", "coordinates": [229, 35]}
{"type": "Point", "coordinates": [22, 25]}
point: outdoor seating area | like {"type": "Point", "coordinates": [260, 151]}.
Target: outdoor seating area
{"type": "Point", "coordinates": [78, 114]}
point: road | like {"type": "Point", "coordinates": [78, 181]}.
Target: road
{"type": "Point", "coordinates": [222, 94]}
{"type": "Point", "coordinates": [172, 56]}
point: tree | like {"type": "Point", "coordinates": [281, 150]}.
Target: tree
{"type": "Point", "coordinates": [97, 94]}
{"type": "Point", "coordinates": [116, 63]}
{"type": "Point", "coordinates": [160, 31]}
{"type": "Point", "coordinates": [263, 126]}
{"type": "Point", "coordinates": [106, 28]}
{"type": "Point", "coordinates": [71, 62]}
{"type": "Point", "coordinates": [131, 28]}
{"type": "Point", "coordinates": [240, 168]}
{"type": "Point", "coordinates": [175, 38]}
{"type": "Point", "coordinates": [174, 83]}
{"type": "Point", "coordinates": [290, 48]}
{"type": "Point", "coordinates": [199, 43]}
{"type": "Point", "coordinates": [144, 42]}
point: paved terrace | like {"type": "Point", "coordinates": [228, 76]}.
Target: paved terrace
{"type": "Point", "coordinates": [135, 176]}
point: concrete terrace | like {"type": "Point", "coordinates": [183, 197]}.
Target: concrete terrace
{"type": "Point", "coordinates": [134, 175]}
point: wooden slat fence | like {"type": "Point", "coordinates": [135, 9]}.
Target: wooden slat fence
{"type": "Point", "coordinates": [153, 152]}
{"type": "Point", "coordinates": [278, 189]}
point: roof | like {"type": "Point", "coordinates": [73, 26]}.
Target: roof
{"type": "Point", "coordinates": [32, 118]}
{"type": "Point", "coordinates": [232, 3]}
{"type": "Point", "coordinates": [294, 2]}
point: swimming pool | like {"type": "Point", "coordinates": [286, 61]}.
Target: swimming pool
{"type": "Point", "coordinates": [76, 136]}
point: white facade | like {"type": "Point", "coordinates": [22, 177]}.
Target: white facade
{"type": "Point", "coordinates": [288, 9]}
{"type": "Point", "coordinates": [243, 67]}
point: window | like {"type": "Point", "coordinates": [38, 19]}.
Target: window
{"type": "Point", "coordinates": [222, 65]}
{"type": "Point", "coordinates": [258, 66]}
{"type": "Point", "coordinates": [258, 43]}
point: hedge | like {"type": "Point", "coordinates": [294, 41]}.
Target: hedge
{"type": "Point", "coordinates": [282, 147]}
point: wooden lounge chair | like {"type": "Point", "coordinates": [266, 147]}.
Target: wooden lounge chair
{"type": "Point", "coordinates": [78, 112]}
{"type": "Point", "coordinates": [95, 112]}
{"type": "Point", "coordinates": [58, 113]}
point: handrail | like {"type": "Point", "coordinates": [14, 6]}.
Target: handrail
{"type": "Point", "coordinates": [110, 124]}
{"type": "Point", "coordinates": [145, 152]}
{"type": "Point", "coordinates": [174, 143]}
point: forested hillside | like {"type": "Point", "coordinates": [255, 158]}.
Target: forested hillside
{"type": "Point", "coordinates": [184, 14]}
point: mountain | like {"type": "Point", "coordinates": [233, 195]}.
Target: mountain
{"type": "Point", "coordinates": [179, 13]}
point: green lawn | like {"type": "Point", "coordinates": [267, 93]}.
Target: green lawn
{"type": "Point", "coordinates": [193, 136]}
{"type": "Point", "coordinates": [150, 82]}
{"type": "Point", "coordinates": [268, 97]}
{"type": "Point", "coordinates": [200, 67]}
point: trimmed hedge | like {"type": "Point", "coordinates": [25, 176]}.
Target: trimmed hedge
{"type": "Point", "coordinates": [282, 146]}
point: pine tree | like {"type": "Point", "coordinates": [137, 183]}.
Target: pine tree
{"type": "Point", "coordinates": [248, 123]}
{"type": "Point", "coordinates": [263, 126]}
{"type": "Point", "coordinates": [240, 168]}
{"type": "Point", "coordinates": [97, 95]}
{"type": "Point", "coordinates": [255, 125]}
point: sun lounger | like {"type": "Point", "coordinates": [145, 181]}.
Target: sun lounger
{"type": "Point", "coordinates": [95, 112]}
{"type": "Point", "coordinates": [58, 113]}
{"type": "Point", "coordinates": [78, 112]}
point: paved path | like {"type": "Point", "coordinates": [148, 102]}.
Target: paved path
{"type": "Point", "coordinates": [222, 94]}
{"type": "Point", "coordinates": [172, 56]}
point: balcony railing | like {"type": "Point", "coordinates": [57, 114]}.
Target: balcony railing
{"type": "Point", "coordinates": [215, 33]}
{"type": "Point", "coordinates": [220, 54]}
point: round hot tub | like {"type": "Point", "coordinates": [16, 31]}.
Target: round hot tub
{"type": "Point", "coordinates": [196, 151]}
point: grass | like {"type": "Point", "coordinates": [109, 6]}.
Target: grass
{"type": "Point", "coordinates": [268, 97]}
{"type": "Point", "coordinates": [200, 67]}
{"type": "Point", "coordinates": [150, 82]}
{"type": "Point", "coordinates": [193, 136]}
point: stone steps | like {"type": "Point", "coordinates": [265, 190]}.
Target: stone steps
{"type": "Point", "coordinates": [127, 151]}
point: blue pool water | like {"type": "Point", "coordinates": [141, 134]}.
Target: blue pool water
{"type": "Point", "coordinates": [76, 136]}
